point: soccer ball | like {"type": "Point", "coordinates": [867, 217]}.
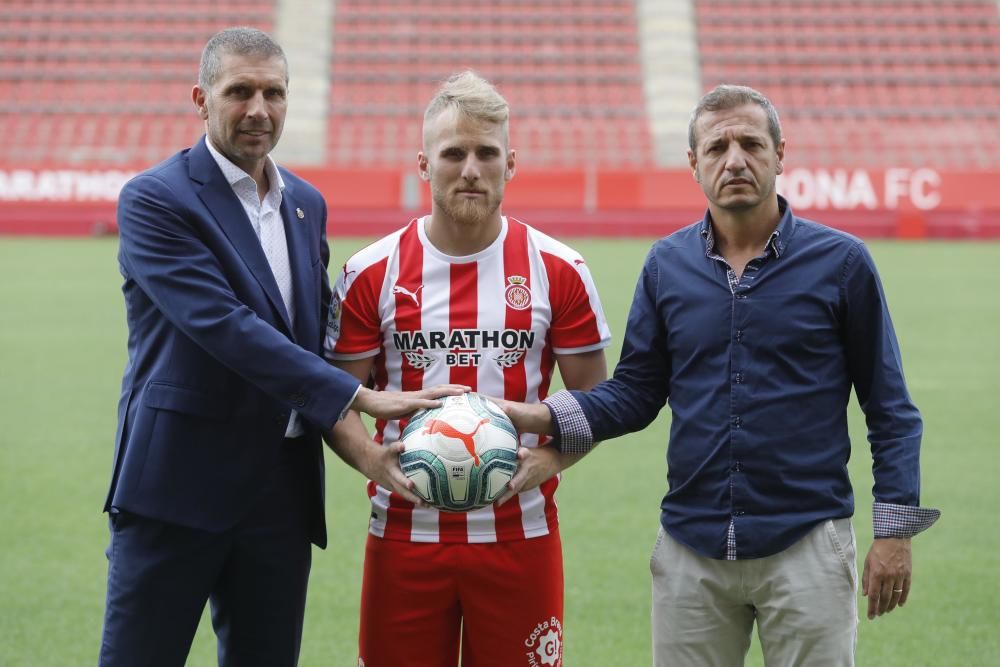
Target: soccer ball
{"type": "Point", "coordinates": [461, 455]}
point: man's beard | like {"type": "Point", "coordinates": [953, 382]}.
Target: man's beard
{"type": "Point", "coordinates": [468, 211]}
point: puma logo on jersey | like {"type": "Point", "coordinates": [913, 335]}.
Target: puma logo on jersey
{"type": "Point", "coordinates": [578, 262]}
{"type": "Point", "coordinates": [347, 274]}
{"type": "Point", "coordinates": [444, 428]}
{"type": "Point", "coordinates": [415, 294]}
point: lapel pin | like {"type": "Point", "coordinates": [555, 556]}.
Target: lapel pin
{"type": "Point", "coordinates": [300, 213]}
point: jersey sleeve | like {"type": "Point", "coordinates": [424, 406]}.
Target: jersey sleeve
{"type": "Point", "coordinates": [354, 326]}
{"type": "Point", "coordinates": [578, 322]}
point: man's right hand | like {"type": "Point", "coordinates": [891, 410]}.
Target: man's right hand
{"type": "Point", "coordinates": [381, 465]}
{"type": "Point", "coordinates": [528, 417]}
{"type": "Point", "coordinates": [349, 439]}
{"type": "Point", "coordinates": [397, 404]}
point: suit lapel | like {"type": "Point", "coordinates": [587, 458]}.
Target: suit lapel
{"type": "Point", "coordinates": [297, 233]}
{"type": "Point", "coordinates": [220, 199]}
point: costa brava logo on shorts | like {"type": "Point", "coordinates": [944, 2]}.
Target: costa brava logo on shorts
{"type": "Point", "coordinates": [544, 644]}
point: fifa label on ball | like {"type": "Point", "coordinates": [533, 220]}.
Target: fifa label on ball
{"type": "Point", "coordinates": [459, 483]}
{"type": "Point", "coordinates": [461, 455]}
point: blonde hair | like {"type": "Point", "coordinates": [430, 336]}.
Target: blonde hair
{"type": "Point", "coordinates": [472, 96]}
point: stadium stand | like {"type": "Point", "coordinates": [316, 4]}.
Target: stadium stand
{"type": "Point", "coordinates": [105, 82]}
{"type": "Point", "coordinates": [860, 83]}
{"type": "Point", "coordinates": [571, 71]}
{"type": "Point", "coordinates": [869, 83]}
{"type": "Point", "coordinates": [891, 108]}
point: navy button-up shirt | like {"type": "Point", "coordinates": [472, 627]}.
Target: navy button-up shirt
{"type": "Point", "coordinates": [758, 371]}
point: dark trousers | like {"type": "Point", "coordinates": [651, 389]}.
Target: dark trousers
{"type": "Point", "coordinates": [160, 576]}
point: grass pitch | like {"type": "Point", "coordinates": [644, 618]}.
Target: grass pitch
{"type": "Point", "coordinates": [62, 351]}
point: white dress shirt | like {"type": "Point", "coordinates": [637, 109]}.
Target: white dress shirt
{"type": "Point", "coordinates": [265, 218]}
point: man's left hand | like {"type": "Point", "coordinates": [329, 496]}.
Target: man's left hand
{"type": "Point", "coordinates": [535, 465]}
{"type": "Point", "coordinates": [887, 575]}
{"type": "Point", "coordinates": [397, 404]}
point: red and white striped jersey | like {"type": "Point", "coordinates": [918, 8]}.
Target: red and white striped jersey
{"type": "Point", "coordinates": [492, 321]}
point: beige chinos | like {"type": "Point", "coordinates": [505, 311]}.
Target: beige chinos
{"type": "Point", "coordinates": [804, 600]}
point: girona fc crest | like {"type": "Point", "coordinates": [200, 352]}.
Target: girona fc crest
{"type": "Point", "coordinates": [517, 294]}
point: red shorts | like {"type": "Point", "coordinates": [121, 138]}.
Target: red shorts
{"type": "Point", "coordinates": [501, 602]}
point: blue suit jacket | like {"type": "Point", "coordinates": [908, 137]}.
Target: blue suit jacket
{"type": "Point", "coordinates": [214, 367]}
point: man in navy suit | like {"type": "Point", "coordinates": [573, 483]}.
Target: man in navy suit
{"type": "Point", "coordinates": [217, 488]}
